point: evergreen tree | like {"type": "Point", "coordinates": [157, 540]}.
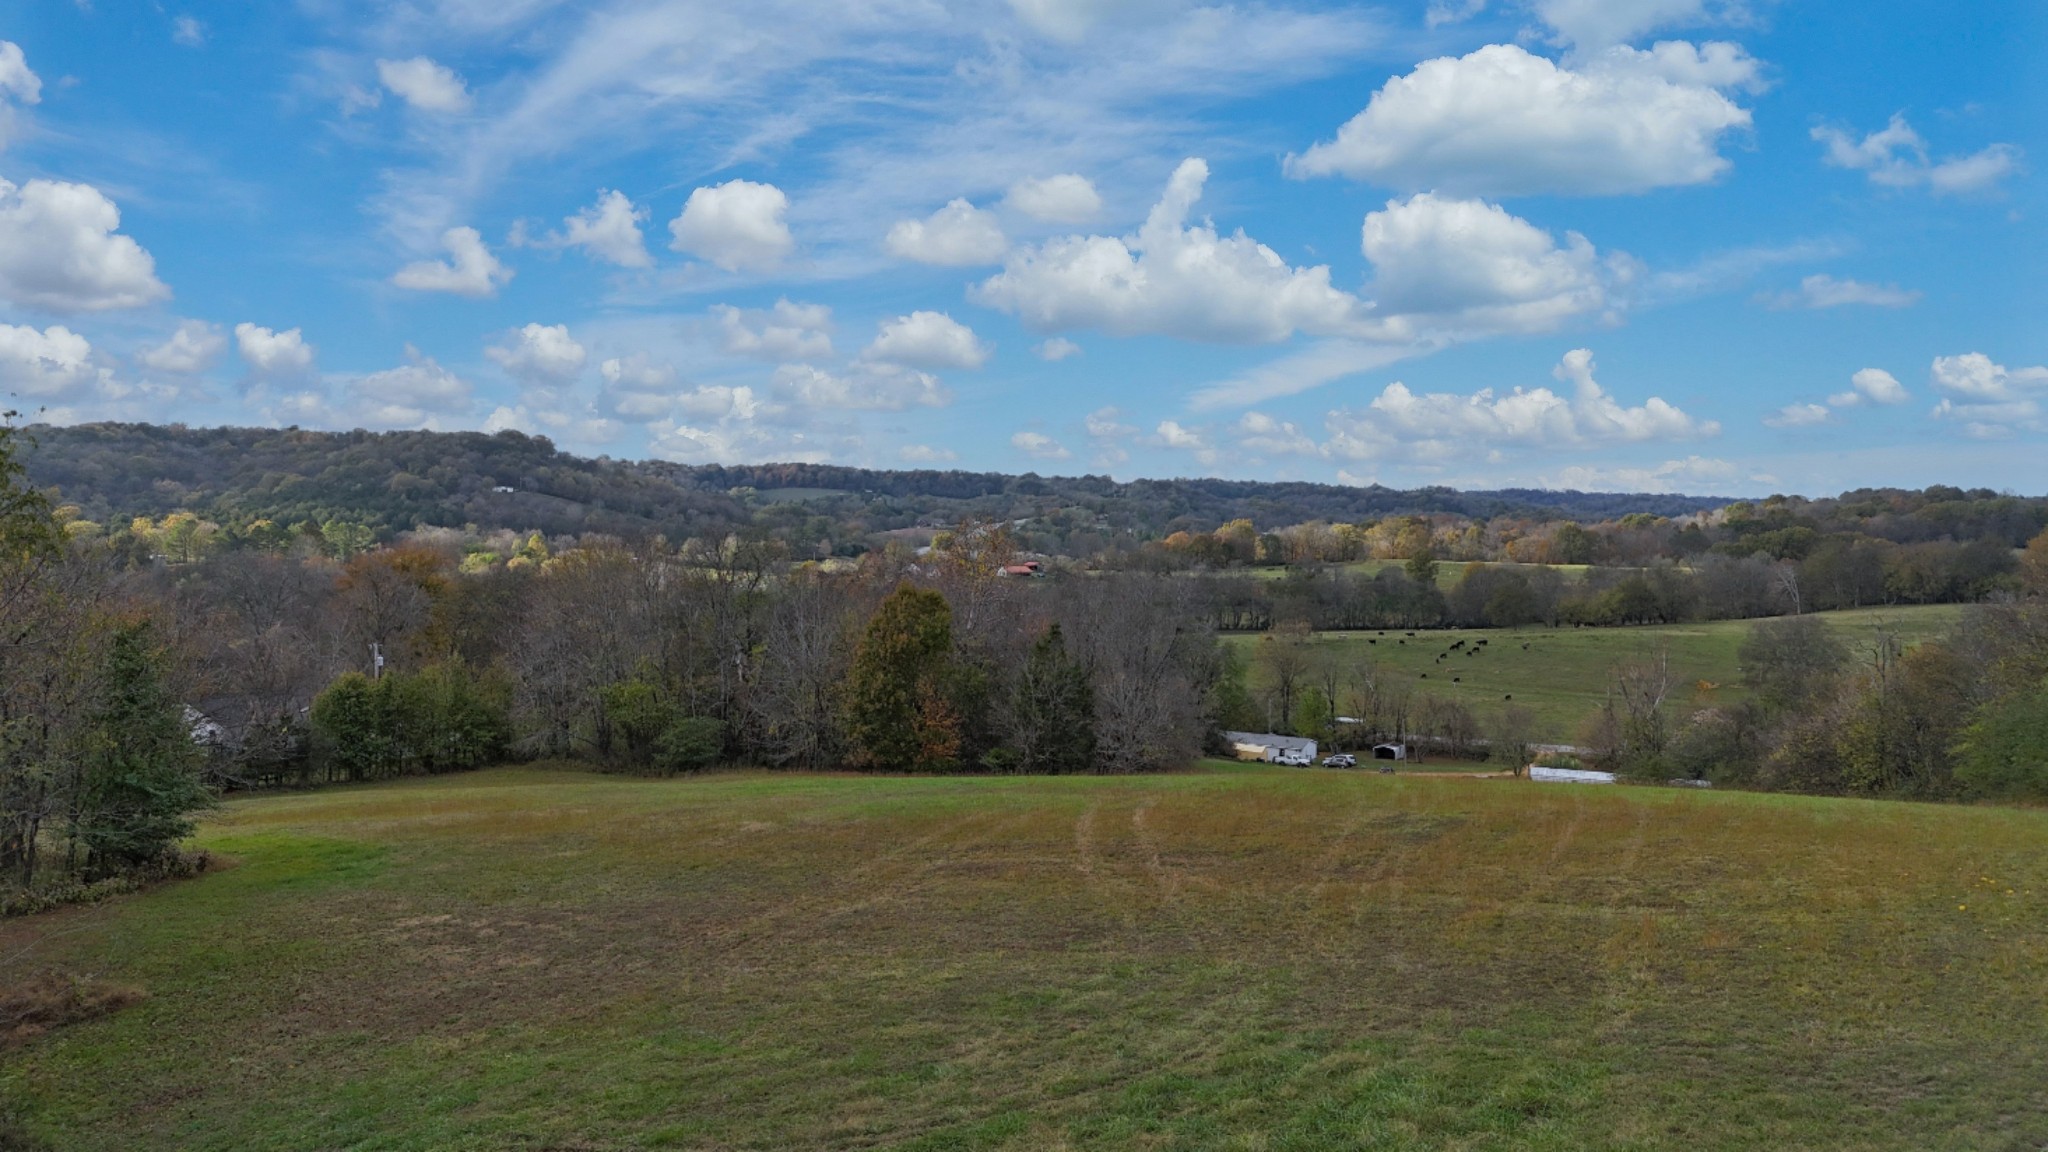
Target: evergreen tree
{"type": "Point", "coordinates": [898, 712]}
{"type": "Point", "coordinates": [1054, 710]}
{"type": "Point", "coordinates": [142, 771]}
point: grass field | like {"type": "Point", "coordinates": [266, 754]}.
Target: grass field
{"type": "Point", "coordinates": [1562, 673]}
{"type": "Point", "coordinates": [1448, 572]}
{"type": "Point", "coordinates": [1242, 959]}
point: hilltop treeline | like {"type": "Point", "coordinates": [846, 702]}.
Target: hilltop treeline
{"type": "Point", "coordinates": [1170, 504]}
{"type": "Point", "coordinates": [396, 481]}
{"type": "Point", "coordinates": [251, 486]}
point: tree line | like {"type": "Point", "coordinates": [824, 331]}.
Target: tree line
{"type": "Point", "coordinates": [1964, 716]}
{"type": "Point", "coordinates": [99, 775]}
{"type": "Point", "coordinates": [139, 683]}
{"type": "Point", "coordinates": [1713, 586]}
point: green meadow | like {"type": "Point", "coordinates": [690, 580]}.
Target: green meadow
{"type": "Point", "coordinates": [1448, 572]}
{"type": "Point", "coordinates": [1562, 674]}
{"type": "Point", "coordinates": [1229, 958]}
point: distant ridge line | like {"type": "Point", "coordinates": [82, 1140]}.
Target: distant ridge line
{"type": "Point", "coordinates": [402, 479]}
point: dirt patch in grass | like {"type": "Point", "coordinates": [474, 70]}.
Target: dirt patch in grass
{"type": "Point", "coordinates": [50, 1000]}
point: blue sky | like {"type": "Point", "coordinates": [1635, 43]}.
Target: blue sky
{"type": "Point", "coordinates": [1726, 246]}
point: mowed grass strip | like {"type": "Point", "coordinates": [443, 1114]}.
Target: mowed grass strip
{"type": "Point", "coordinates": [1562, 674]}
{"type": "Point", "coordinates": [1243, 958]}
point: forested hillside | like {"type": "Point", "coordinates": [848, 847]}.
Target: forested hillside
{"type": "Point", "coordinates": [391, 481]}
{"type": "Point", "coordinates": [395, 481]}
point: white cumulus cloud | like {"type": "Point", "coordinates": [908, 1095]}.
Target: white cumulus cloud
{"type": "Point", "coordinates": [60, 251]}
{"type": "Point", "coordinates": [785, 332]}
{"type": "Point", "coordinates": [736, 441]}
{"type": "Point", "coordinates": [1800, 416]}
{"type": "Point", "coordinates": [1268, 436]}
{"type": "Point", "coordinates": [1169, 279]}
{"type": "Point", "coordinates": [1689, 474]}
{"type": "Point", "coordinates": [864, 387]}
{"type": "Point", "coordinates": [1991, 401]}
{"type": "Point", "coordinates": [956, 236]}
{"type": "Point", "coordinates": [738, 225]}
{"type": "Point", "coordinates": [1400, 422]}
{"type": "Point", "coordinates": [928, 340]}
{"type": "Point", "coordinates": [540, 355]}
{"type": "Point", "coordinates": [192, 348]}
{"type": "Point", "coordinates": [425, 85]}
{"type": "Point", "coordinates": [720, 402]}
{"type": "Point", "coordinates": [926, 454]}
{"type": "Point", "coordinates": [1504, 122]}
{"type": "Point", "coordinates": [1975, 376]}
{"type": "Point", "coordinates": [1067, 198]}
{"type": "Point", "coordinates": [564, 424]}
{"type": "Point", "coordinates": [17, 80]}
{"type": "Point", "coordinates": [1039, 446]}
{"type": "Point", "coordinates": [18, 85]}
{"type": "Point", "coordinates": [1868, 386]}
{"type": "Point", "coordinates": [1057, 349]}
{"type": "Point", "coordinates": [608, 230]}
{"type": "Point", "coordinates": [1107, 424]}
{"type": "Point", "coordinates": [1172, 434]}
{"type": "Point", "coordinates": [413, 395]}
{"type": "Point", "coordinates": [1467, 267]}
{"type": "Point", "coordinates": [470, 270]}
{"type": "Point", "coordinates": [1878, 386]}
{"type": "Point", "coordinates": [1896, 156]}
{"type": "Point", "coordinates": [637, 389]}
{"type": "Point", "coordinates": [53, 364]}
{"type": "Point", "coordinates": [273, 353]}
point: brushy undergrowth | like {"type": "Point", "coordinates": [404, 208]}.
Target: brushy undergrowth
{"type": "Point", "coordinates": [71, 890]}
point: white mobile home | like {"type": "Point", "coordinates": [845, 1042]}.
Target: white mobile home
{"type": "Point", "coordinates": [1271, 747]}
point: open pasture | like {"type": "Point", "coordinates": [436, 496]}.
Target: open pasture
{"type": "Point", "coordinates": [1238, 958]}
{"type": "Point", "coordinates": [1562, 674]}
{"type": "Point", "coordinates": [1448, 572]}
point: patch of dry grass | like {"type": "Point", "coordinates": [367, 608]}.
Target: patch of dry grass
{"type": "Point", "coordinates": [1242, 959]}
{"type": "Point", "coordinates": [48, 1000]}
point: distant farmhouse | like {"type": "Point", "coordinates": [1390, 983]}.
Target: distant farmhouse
{"type": "Point", "coordinates": [1271, 748]}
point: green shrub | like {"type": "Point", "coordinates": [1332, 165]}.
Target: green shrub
{"type": "Point", "coordinates": [637, 717]}
{"type": "Point", "coordinates": [443, 718]}
{"type": "Point", "coordinates": [449, 718]}
{"type": "Point", "coordinates": [2004, 755]}
{"type": "Point", "coordinates": [690, 743]}
{"type": "Point", "coordinates": [353, 729]}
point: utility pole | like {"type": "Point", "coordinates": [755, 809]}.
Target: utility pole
{"type": "Point", "coordinates": [376, 661]}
